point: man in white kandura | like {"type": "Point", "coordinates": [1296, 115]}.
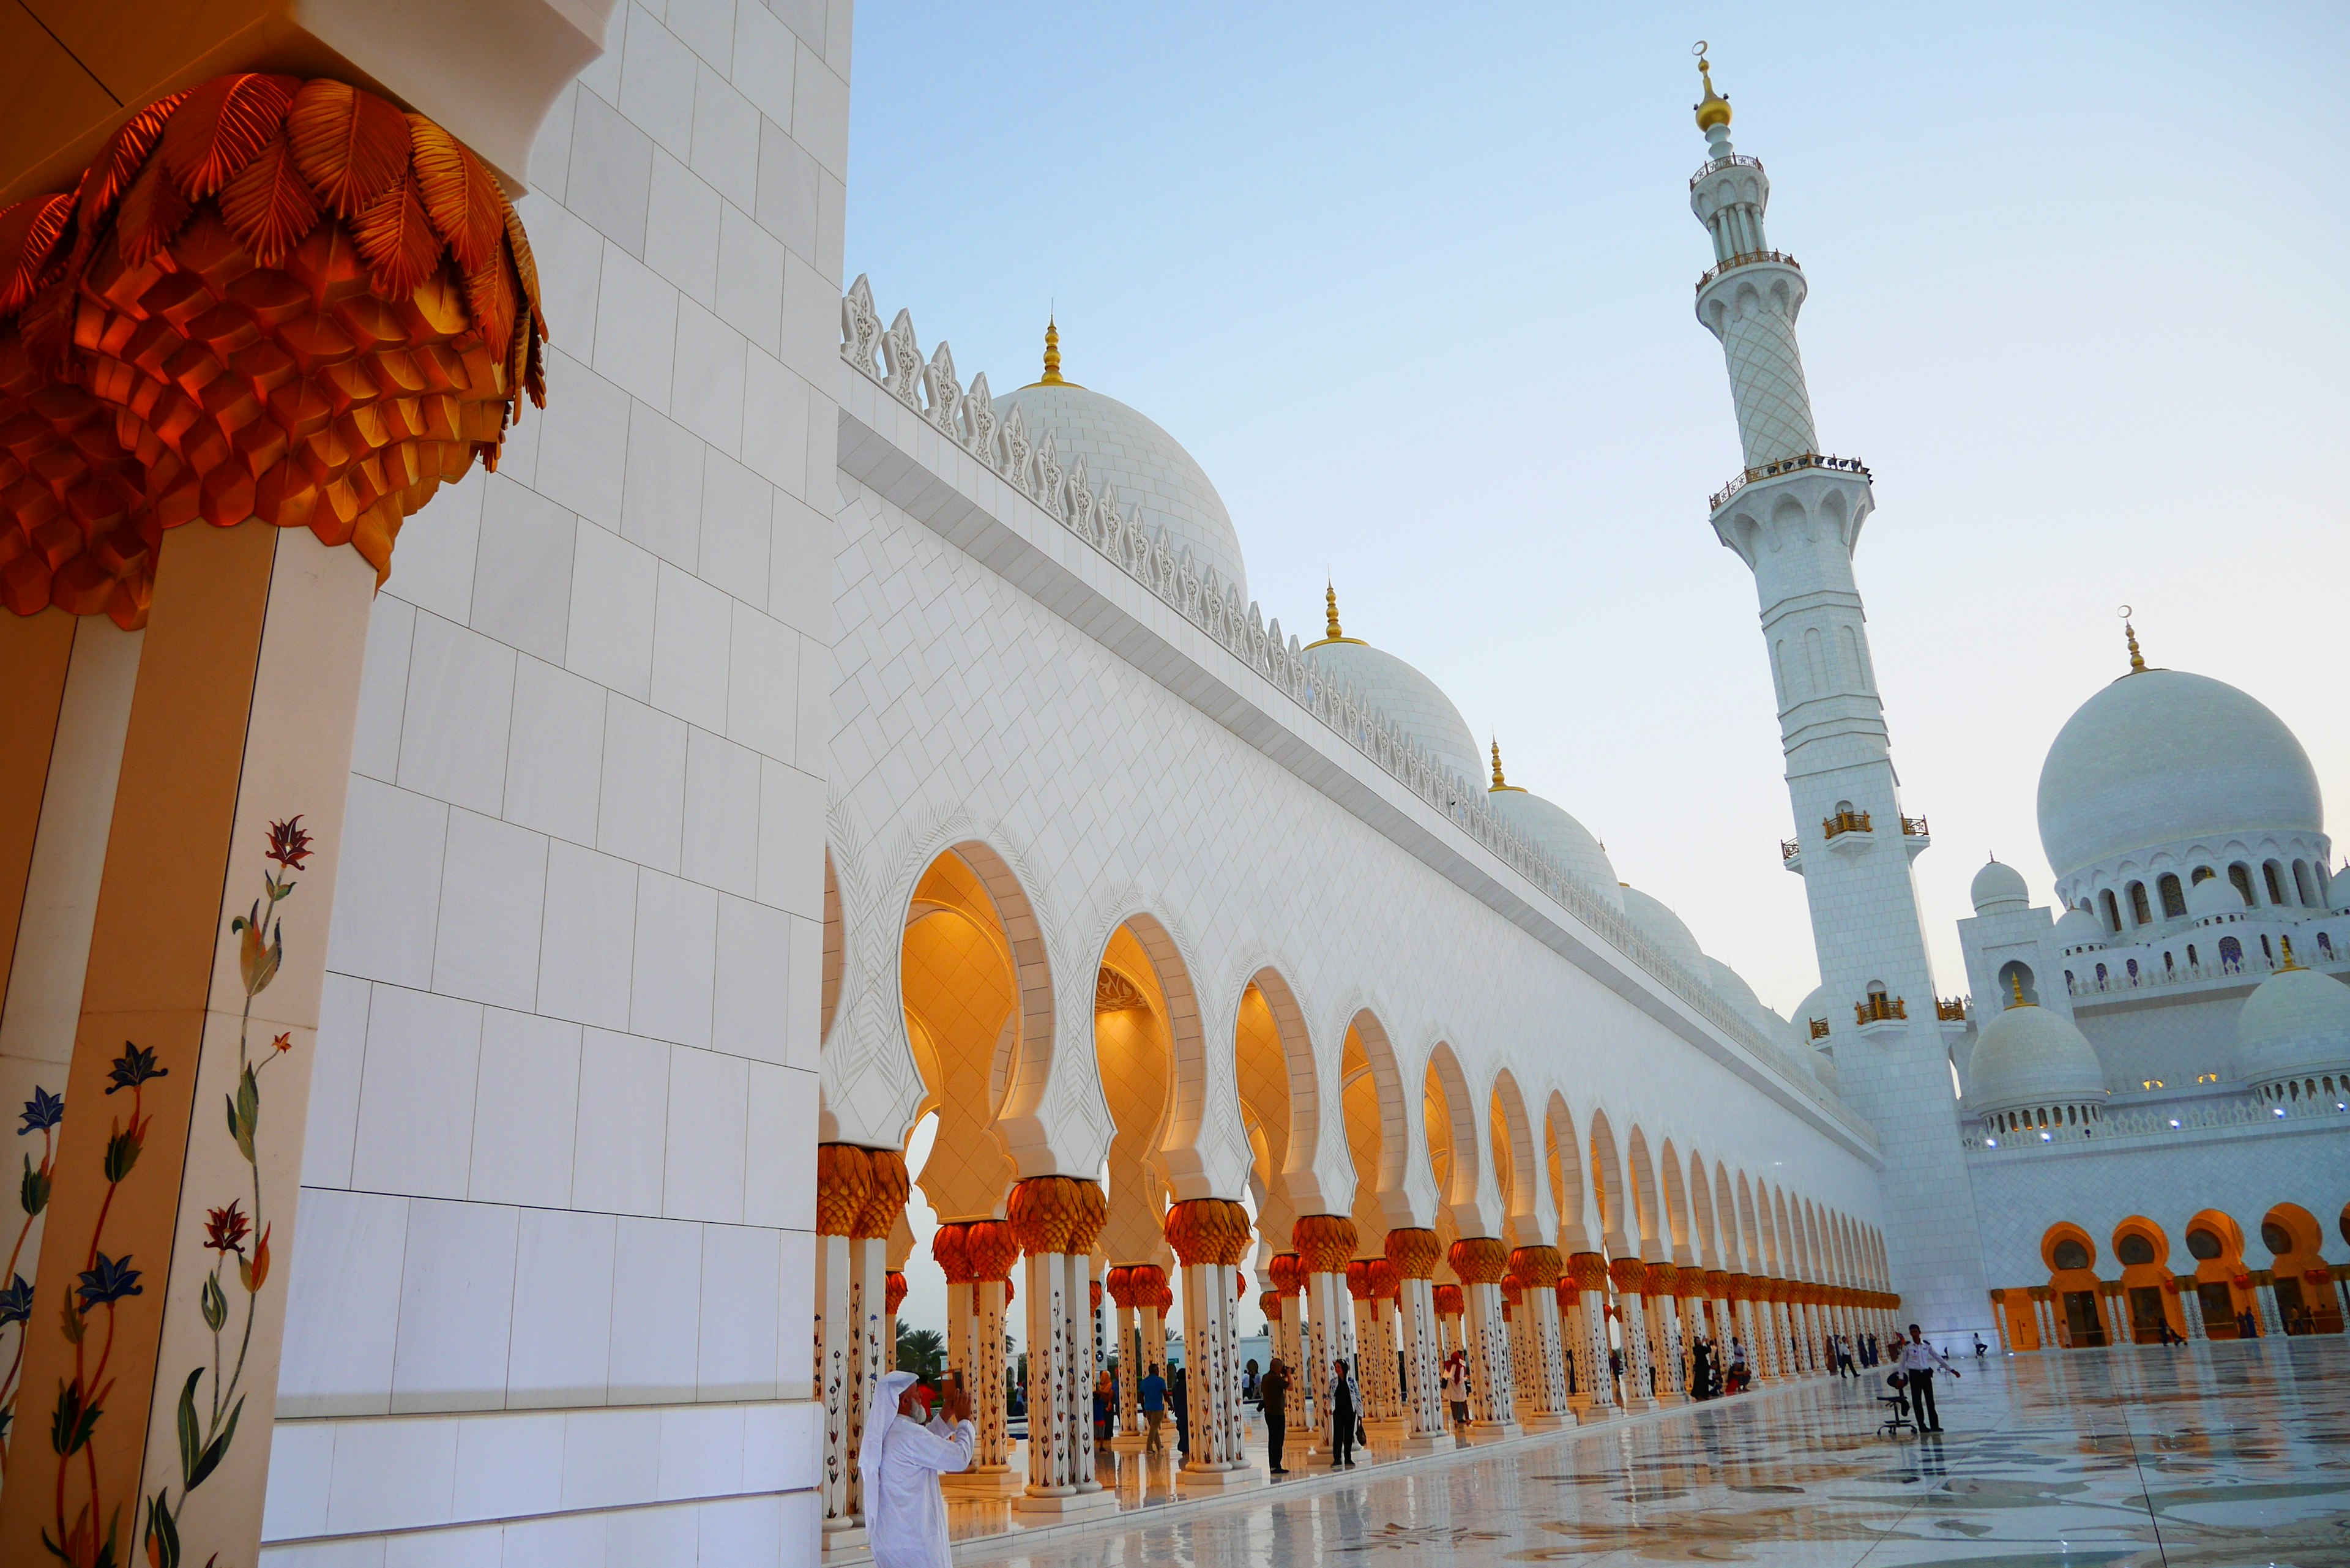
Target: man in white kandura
{"type": "Point", "coordinates": [902, 1461]}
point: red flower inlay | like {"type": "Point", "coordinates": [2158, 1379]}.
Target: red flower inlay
{"type": "Point", "coordinates": [289, 845]}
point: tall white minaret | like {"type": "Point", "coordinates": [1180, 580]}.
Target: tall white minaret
{"type": "Point", "coordinates": [1793, 516]}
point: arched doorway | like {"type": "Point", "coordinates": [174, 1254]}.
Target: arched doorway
{"type": "Point", "coordinates": [2298, 1273]}
{"type": "Point", "coordinates": [2071, 1256]}
{"type": "Point", "coordinates": [2152, 1294]}
{"type": "Point", "coordinates": [2217, 1244]}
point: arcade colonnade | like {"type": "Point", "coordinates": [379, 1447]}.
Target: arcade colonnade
{"type": "Point", "coordinates": [2214, 1291]}
{"type": "Point", "coordinates": [1536, 1239]}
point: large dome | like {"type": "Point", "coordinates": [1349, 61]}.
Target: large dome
{"type": "Point", "coordinates": [2296, 1022]}
{"type": "Point", "coordinates": [1566, 840]}
{"type": "Point", "coordinates": [1411, 701]}
{"type": "Point", "coordinates": [2030, 1055]}
{"type": "Point", "coordinates": [2162, 757]}
{"type": "Point", "coordinates": [1150, 467]}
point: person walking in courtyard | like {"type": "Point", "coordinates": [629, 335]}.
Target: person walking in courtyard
{"type": "Point", "coordinates": [1179, 1391]}
{"type": "Point", "coordinates": [1456, 1387]}
{"type": "Point", "coordinates": [1154, 1408]}
{"type": "Point", "coordinates": [902, 1460]}
{"type": "Point", "coordinates": [1918, 1360]}
{"type": "Point", "coordinates": [1346, 1405]}
{"type": "Point", "coordinates": [1273, 1391]}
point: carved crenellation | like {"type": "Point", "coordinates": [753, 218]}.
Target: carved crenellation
{"type": "Point", "coordinates": [892, 359]}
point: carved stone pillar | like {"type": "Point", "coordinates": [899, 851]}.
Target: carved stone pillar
{"type": "Point", "coordinates": [1590, 1272]}
{"type": "Point", "coordinates": [844, 1179]}
{"type": "Point", "coordinates": [977, 1257]}
{"type": "Point", "coordinates": [2264, 1299]}
{"type": "Point", "coordinates": [1514, 1328]}
{"type": "Point", "coordinates": [1210, 1235]}
{"type": "Point", "coordinates": [1451, 1316]}
{"type": "Point", "coordinates": [1480, 1261]}
{"type": "Point", "coordinates": [1542, 1373]}
{"type": "Point", "coordinates": [1154, 1298]}
{"type": "Point", "coordinates": [1326, 1243]}
{"type": "Point", "coordinates": [1689, 1293]}
{"type": "Point", "coordinates": [1126, 1413]}
{"type": "Point", "coordinates": [1288, 1270]}
{"type": "Point", "coordinates": [1393, 1417]}
{"type": "Point", "coordinates": [1664, 1341]}
{"type": "Point", "coordinates": [1725, 1320]}
{"type": "Point", "coordinates": [1631, 1278]}
{"type": "Point", "coordinates": [890, 1329]}
{"type": "Point", "coordinates": [1414, 1251]}
{"type": "Point", "coordinates": [2190, 1307]}
{"type": "Point", "coordinates": [1056, 1220]}
{"type": "Point", "coordinates": [1363, 1308]}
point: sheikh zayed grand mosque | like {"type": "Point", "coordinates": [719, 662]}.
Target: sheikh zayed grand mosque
{"type": "Point", "coordinates": [632, 731]}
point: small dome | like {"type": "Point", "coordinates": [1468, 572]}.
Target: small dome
{"type": "Point", "coordinates": [1824, 1063]}
{"type": "Point", "coordinates": [2337, 888]}
{"type": "Point", "coordinates": [1150, 467]}
{"type": "Point", "coordinates": [2160, 757]}
{"type": "Point", "coordinates": [1557, 834]}
{"type": "Point", "coordinates": [1410, 701]}
{"type": "Point", "coordinates": [2033, 1056]}
{"type": "Point", "coordinates": [1815, 1005]}
{"type": "Point", "coordinates": [1998, 889]}
{"type": "Point", "coordinates": [2079, 929]}
{"type": "Point", "coordinates": [1664, 927]}
{"type": "Point", "coordinates": [2295, 1021]}
{"type": "Point", "coordinates": [2215, 894]}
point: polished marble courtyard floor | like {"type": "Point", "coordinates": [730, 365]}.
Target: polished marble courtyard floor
{"type": "Point", "coordinates": [2214, 1456]}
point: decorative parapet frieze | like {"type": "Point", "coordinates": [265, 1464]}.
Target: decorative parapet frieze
{"type": "Point", "coordinates": [891, 357]}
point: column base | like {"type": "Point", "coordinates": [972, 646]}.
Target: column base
{"type": "Point", "coordinates": [1635, 1403]}
{"type": "Point", "coordinates": [1426, 1442]}
{"type": "Point", "coordinates": [1127, 1443]}
{"type": "Point", "coordinates": [849, 1541]}
{"type": "Point", "coordinates": [1387, 1431]}
{"type": "Point", "coordinates": [1493, 1431]}
{"type": "Point", "coordinates": [1667, 1400]}
{"type": "Point", "coordinates": [999, 1481]}
{"type": "Point", "coordinates": [1101, 1501]}
{"type": "Point", "coordinates": [1240, 1477]}
{"type": "Point", "coordinates": [1593, 1412]}
{"type": "Point", "coordinates": [1549, 1421]}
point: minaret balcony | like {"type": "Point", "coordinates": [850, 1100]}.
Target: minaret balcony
{"type": "Point", "coordinates": [1915, 838]}
{"type": "Point", "coordinates": [1733, 161]}
{"type": "Point", "coordinates": [1950, 1009]}
{"type": "Point", "coordinates": [1795, 464]}
{"type": "Point", "coordinates": [1791, 855]}
{"type": "Point", "coordinates": [1879, 1008]}
{"type": "Point", "coordinates": [1819, 1028]}
{"type": "Point", "coordinates": [1848, 832]}
{"type": "Point", "coordinates": [1744, 258]}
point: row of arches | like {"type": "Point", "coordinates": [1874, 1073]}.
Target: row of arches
{"type": "Point", "coordinates": [2138, 1287]}
{"type": "Point", "coordinates": [1171, 1157]}
{"type": "Point", "coordinates": [2297, 884]}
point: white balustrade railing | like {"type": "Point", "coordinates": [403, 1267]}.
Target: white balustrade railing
{"type": "Point", "coordinates": [2175, 1119]}
{"type": "Point", "coordinates": [892, 359]}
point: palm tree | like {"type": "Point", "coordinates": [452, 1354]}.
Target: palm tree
{"type": "Point", "coordinates": [923, 1352]}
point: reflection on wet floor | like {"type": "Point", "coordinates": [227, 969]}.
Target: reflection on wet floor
{"type": "Point", "coordinates": [2206, 1455]}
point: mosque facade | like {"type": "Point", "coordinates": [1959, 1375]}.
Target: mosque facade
{"type": "Point", "coordinates": [781, 738]}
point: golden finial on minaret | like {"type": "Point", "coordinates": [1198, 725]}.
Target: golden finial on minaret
{"type": "Point", "coordinates": [1052, 354]}
{"type": "Point", "coordinates": [1500, 783]}
{"type": "Point", "coordinates": [2015, 979]}
{"type": "Point", "coordinates": [2129, 634]}
{"type": "Point", "coordinates": [2288, 955]}
{"type": "Point", "coordinates": [1713, 109]}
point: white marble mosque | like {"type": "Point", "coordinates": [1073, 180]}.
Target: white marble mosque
{"type": "Point", "coordinates": [797, 743]}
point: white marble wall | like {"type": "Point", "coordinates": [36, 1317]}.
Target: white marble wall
{"type": "Point", "coordinates": [556, 1242]}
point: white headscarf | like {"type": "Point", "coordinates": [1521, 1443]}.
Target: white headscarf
{"type": "Point", "coordinates": [880, 1417]}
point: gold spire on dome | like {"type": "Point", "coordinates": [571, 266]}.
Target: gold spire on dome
{"type": "Point", "coordinates": [2137, 659]}
{"type": "Point", "coordinates": [1051, 377]}
{"type": "Point", "coordinates": [2015, 980]}
{"type": "Point", "coordinates": [1330, 615]}
{"type": "Point", "coordinates": [1713, 109]}
{"type": "Point", "coordinates": [1500, 783]}
{"type": "Point", "coordinates": [2289, 964]}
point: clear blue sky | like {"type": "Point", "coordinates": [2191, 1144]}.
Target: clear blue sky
{"type": "Point", "coordinates": [1414, 287]}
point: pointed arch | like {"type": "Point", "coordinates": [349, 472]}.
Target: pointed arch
{"type": "Point", "coordinates": [1678, 1227]}
{"type": "Point", "coordinates": [1750, 1229]}
{"type": "Point", "coordinates": [1607, 1187]}
{"type": "Point", "coordinates": [1564, 1158]}
{"type": "Point", "coordinates": [1707, 1251]}
{"type": "Point", "coordinates": [1450, 1115]}
{"type": "Point", "coordinates": [1642, 1170]}
{"type": "Point", "coordinates": [1527, 1216]}
{"type": "Point", "coordinates": [1725, 1199]}
{"type": "Point", "coordinates": [1280, 1092]}
{"type": "Point", "coordinates": [1378, 1122]}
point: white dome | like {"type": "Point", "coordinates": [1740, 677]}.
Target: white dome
{"type": "Point", "coordinates": [2337, 888]}
{"type": "Point", "coordinates": [1815, 1005]}
{"type": "Point", "coordinates": [2080, 929]}
{"type": "Point", "coordinates": [1664, 927]}
{"type": "Point", "coordinates": [1409, 700]}
{"type": "Point", "coordinates": [1566, 840]}
{"type": "Point", "coordinates": [1733, 988]}
{"type": "Point", "coordinates": [2295, 1021]}
{"type": "Point", "coordinates": [2160, 757]}
{"type": "Point", "coordinates": [1150, 467]}
{"type": "Point", "coordinates": [2031, 1056]}
{"type": "Point", "coordinates": [2215, 894]}
{"type": "Point", "coordinates": [1998, 889]}
{"type": "Point", "coordinates": [1823, 1065]}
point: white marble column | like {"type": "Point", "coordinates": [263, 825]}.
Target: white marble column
{"type": "Point", "coordinates": [1126, 1423]}
{"type": "Point", "coordinates": [1056, 1219]}
{"type": "Point", "coordinates": [1326, 1243]}
{"type": "Point", "coordinates": [1597, 1392]}
{"type": "Point", "coordinates": [978, 1257]}
{"type": "Point", "coordinates": [1289, 1278]}
{"type": "Point", "coordinates": [1543, 1374]}
{"type": "Point", "coordinates": [2264, 1298]}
